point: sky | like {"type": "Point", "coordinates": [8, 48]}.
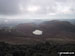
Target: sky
{"type": "Point", "coordinates": [37, 9]}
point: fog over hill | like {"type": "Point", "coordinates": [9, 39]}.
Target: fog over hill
{"type": "Point", "coordinates": [14, 22]}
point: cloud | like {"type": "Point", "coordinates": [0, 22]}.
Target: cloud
{"type": "Point", "coordinates": [37, 8]}
{"type": "Point", "coordinates": [9, 7]}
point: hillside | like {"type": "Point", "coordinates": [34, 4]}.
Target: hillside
{"type": "Point", "coordinates": [57, 31]}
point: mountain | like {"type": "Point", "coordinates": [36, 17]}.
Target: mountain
{"type": "Point", "coordinates": [58, 31]}
{"type": "Point", "coordinates": [26, 28]}
{"type": "Point", "coordinates": [69, 20]}
{"type": "Point", "coordinates": [14, 22]}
